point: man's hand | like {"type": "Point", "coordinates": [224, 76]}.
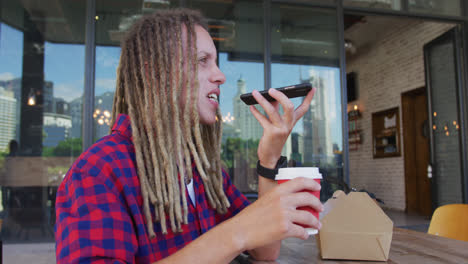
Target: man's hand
{"type": "Point", "coordinates": [277, 127]}
{"type": "Point", "coordinates": [274, 216]}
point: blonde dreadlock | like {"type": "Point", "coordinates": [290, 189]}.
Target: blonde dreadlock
{"type": "Point", "coordinates": [149, 87]}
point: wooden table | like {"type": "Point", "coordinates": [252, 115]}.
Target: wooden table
{"type": "Point", "coordinates": [407, 247]}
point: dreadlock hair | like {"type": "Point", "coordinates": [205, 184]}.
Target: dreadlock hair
{"type": "Point", "coordinates": [157, 74]}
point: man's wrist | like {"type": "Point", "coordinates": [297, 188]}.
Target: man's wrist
{"type": "Point", "coordinates": [237, 234]}
{"type": "Point", "coordinates": [270, 172]}
{"type": "Point", "coordinates": [268, 164]}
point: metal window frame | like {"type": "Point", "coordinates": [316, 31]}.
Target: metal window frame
{"type": "Point", "coordinates": [458, 54]}
{"type": "Point", "coordinates": [464, 91]}
{"type": "Point", "coordinates": [342, 62]}
{"type": "Point", "coordinates": [89, 78]}
{"type": "Point", "coordinates": [267, 44]}
{"type": "Point", "coordinates": [344, 90]}
{"type": "Point", "coordinates": [449, 35]}
{"type": "Point", "coordinates": [90, 54]}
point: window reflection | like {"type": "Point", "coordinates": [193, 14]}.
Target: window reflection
{"type": "Point", "coordinates": [378, 4]}
{"type": "Point", "coordinates": [41, 96]}
{"type": "Point", "coordinates": [305, 50]}
{"type": "Point", "coordinates": [11, 48]}
{"type": "Point", "coordinates": [440, 7]}
{"type": "Point", "coordinates": [237, 30]}
{"type": "Point", "coordinates": [113, 19]}
{"type": "Point", "coordinates": [241, 131]}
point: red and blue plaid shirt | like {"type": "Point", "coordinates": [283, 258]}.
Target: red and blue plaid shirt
{"type": "Point", "coordinates": [99, 208]}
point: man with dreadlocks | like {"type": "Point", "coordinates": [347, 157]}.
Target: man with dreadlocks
{"type": "Point", "coordinates": [154, 190]}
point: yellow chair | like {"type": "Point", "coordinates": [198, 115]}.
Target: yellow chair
{"type": "Point", "coordinates": [450, 221]}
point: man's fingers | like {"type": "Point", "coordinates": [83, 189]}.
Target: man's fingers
{"type": "Point", "coordinates": [267, 106]}
{"type": "Point", "coordinates": [299, 184]}
{"type": "Point", "coordinates": [297, 231]}
{"type": "Point", "coordinates": [300, 199]}
{"type": "Point", "coordinates": [263, 120]}
{"type": "Point", "coordinates": [288, 106]}
{"type": "Point", "coordinates": [304, 218]}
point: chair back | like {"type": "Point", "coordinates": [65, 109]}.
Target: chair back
{"type": "Point", "coordinates": [450, 221]}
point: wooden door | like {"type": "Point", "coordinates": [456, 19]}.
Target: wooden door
{"type": "Point", "coordinates": [416, 152]}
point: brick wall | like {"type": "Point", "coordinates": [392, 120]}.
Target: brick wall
{"type": "Point", "coordinates": [386, 67]}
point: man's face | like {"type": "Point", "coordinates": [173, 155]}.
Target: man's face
{"type": "Point", "coordinates": [210, 77]}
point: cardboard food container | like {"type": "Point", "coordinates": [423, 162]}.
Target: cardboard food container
{"type": "Point", "coordinates": [354, 227]}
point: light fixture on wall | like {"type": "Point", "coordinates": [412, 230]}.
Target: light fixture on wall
{"type": "Point", "coordinates": [31, 97]}
{"type": "Point", "coordinates": [354, 113]}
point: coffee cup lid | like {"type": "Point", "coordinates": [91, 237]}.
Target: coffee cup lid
{"type": "Point", "coordinates": [291, 173]}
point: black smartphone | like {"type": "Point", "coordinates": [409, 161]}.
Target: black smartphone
{"type": "Point", "coordinates": [291, 91]}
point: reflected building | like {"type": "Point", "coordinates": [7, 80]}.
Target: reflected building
{"type": "Point", "coordinates": [297, 148]}
{"type": "Point", "coordinates": [317, 139]}
{"type": "Point", "coordinates": [49, 105]}
{"type": "Point", "coordinates": [229, 131]}
{"type": "Point", "coordinates": [8, 112]}
{"type": "Point", "coordinates": [14, 86]}
{"type": "Point", "coordinates": [243, 118]}
{"type": "Point", "coordinates": [57, 121]}
{"type": "Point", "coordinates": [61, 106]}
{"type": "Point", "coordinates": [57, 128]}
{"type": "Point", "coordinates": [75, 113]}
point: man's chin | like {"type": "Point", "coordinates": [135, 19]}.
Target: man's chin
{"type": "Point", "coordinates": [208, 121]}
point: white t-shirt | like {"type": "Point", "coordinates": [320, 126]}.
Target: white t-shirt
{"type": "Point", "coordinates": [191, 193]}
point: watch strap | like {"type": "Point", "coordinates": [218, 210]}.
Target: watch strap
{"type": "Point", "coordinates": [271, 173]}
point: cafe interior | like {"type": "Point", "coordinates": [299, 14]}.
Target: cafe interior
{"type": "Point", "coordinates": [388, 118]}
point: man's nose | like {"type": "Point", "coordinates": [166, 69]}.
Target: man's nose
{"type": "Point", "coordinates": [218, 76]}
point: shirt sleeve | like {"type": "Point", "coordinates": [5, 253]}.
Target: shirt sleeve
{"type": "Point", "coordinates": [93, 224]}
{"type": "Point", "coordinates": [236, 198]}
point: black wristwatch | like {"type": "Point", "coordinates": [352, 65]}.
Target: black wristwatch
{"type": "Point", "coordinates": [271, 173]}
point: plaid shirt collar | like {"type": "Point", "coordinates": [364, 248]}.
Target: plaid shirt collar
{"type": "Point", "coordinates": [123, 126]}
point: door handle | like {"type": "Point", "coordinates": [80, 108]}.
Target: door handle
{"type": "Point", "coordinates": [429, 171]}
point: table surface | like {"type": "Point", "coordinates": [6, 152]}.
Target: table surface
{"type": "Point", "coordinates": [407, 247]}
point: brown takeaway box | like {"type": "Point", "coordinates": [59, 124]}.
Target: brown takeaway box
{"type": "Point", "coordinates": [354, 228]}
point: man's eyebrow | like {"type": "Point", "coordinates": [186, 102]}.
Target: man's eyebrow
{"type": "Point", "coordinates": [204, 53]}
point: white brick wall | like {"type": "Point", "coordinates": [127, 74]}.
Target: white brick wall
{"type": "Point", "coordinates": [389, 66]}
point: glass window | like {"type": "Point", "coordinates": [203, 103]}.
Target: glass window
{"type": "Point", "coordinates": [316, 1]}
{"type": "Point", "coordinates": [442, 72]}
{"type": "Point", "coordinates": [41, 95]}
{"type": "Point", "coordinates": [378, 4]}
{"type": "Point", "coordinates": [237, 29]}
{"type": "Point", "coordinates": [113, 19]}
{"type": "Point", "coordinates": [439, 7]}
{"type": "Point", "coordinates": [305, 49]}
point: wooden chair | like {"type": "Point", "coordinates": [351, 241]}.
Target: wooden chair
{"type": "Point", "coordinates": [450, 221]}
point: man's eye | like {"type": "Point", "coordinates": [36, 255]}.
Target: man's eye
{"type": "Point", "coordinates": [203, 59]}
